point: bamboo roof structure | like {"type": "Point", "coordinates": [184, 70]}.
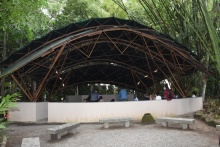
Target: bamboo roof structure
{"type": "Point", "coordinates": [99, 50]}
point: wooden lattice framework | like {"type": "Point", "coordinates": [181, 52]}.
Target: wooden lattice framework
{"type": "Point", "coordinates": [107, 50]}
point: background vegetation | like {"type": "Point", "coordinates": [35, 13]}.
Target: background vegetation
{"type": "Point", "coordinates": [194, 23]}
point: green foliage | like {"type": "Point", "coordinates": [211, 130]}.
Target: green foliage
{"type": "Point", "coordinates": [21, 22]}
{"type": "Point", "coordinates": [214, 39]}
{"type": "Point", "coordinates": [84, 89]}
{"type": "Point", "coordinates": [192, 23]}
{"type": "Point", "coordinates": [211, 112]}
{"type": "Point", "coordinates": [20, 14]}
{"type": "Point", "coordinates": [147, 119]}
{"type": "Point", "coordinates": [80, 10]}
{"type": "Point", "coordinates": [9, 101]}
{"type": "Point", "coordinates": [110, 90]}
{"type": "Point", "coordinates": [73, 11]}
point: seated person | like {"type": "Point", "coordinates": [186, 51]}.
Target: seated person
{"type": "Point", "coordinates": [152, 97]}
{"type": "Point", "coordinates": [135, 99]}
{"type": "Point", "coordinates": [122, 96]}
{"type": "Point", "coordinates": [158, 97]}
{"type": "Point", "coordinates": [94, 96]}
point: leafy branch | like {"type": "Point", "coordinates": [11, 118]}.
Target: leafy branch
{"type": "Point", "coordinates": [9, 101]}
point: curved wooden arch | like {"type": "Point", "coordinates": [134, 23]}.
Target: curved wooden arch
{"type": "Point", "coordinates": [116, 48]}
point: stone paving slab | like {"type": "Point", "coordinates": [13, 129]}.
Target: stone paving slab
{"type": "Point", "coordinates": [30, 142]}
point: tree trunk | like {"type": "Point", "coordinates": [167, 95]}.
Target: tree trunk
{"type": "Point", "coordinates": [218, 93]}
{"type": "Point", "coordinates": [3, 57]}
{"type": "Point", "coordinates": [204, 83]}
{"type": "Point", "coordinates": [204, 80]}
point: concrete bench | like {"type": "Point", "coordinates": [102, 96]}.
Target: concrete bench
{"type": "Point", "coordinates": [184, 122]}
{"type": "Point", "coordinates": [30, 142]}
{"type": "Point", "coordinates": [106, 121]}
{"type": "Point", "coordinates": [61, 130]}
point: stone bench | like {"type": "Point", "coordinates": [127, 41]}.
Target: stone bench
{"type": "Point", "coordinates": [30, 142]}
{"type": "Point", "coordinates": [61, 130]}
{"type": "Point", "coordinates": [184, 122]}
{"type": "Point", "coordinates": [106, 121]}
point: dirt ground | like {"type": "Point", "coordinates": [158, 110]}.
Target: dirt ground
{"type": "Point", "coordinates": [16, 132]}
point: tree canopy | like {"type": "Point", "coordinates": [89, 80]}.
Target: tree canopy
{"type": "Point", "coordinates": [192, 23]}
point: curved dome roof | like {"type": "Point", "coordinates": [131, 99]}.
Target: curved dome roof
{"type": "Point", "coordinates": [101, 50]}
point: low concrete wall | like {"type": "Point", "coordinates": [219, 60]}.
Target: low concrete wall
{"type": "Point", "coordinates": [92, 112]}
{"type": "Point", "coordinates": [41, 110]}
{"type": "Point", "coordinates": [106, 97]}
{"type": "Point", "coordinates": [29, 111]}
{"type": "Point", "coordinates": [73, 98]}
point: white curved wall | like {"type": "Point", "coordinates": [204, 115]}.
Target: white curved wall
{"type": "Point", "coordinates": [29, 111]}
{"type": "Point", "coordinates": [92, 112]}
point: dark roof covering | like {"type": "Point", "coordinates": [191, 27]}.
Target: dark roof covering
{"type": "Point", "coordinates": [102, 50]}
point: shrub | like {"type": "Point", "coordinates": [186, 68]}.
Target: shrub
{"type": "Point", "coordinates": [9, 101]}
{"type": "Point", "coordinates": [147, 119]}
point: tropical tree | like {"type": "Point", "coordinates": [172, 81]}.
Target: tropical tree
{"type": "Point", "coordinates": [192, 23]}
{"type": "Point", "coordinates": [18, 25]}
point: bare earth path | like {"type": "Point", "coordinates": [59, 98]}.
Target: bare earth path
{"type": "Point", "coordinates": [94, 135]}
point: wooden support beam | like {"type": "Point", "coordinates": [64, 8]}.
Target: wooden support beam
{"type": "Point", "coordinates": [24, 84]}
{"type": "Point", "coordinates": [39, 90]}
{"type": "Point", "coordinates": [168, 67]}
{"type": "Point", "coordinates": [29, 96]}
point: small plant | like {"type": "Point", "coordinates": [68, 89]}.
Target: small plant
{"type": "Point", "coordinates": [147, 119]}
{"type": "Point", "coordinates": [7, 102]}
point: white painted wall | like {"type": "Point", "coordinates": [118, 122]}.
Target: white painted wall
{"type": "Point", "coordinates": [41, 110]}
{"type": "Point", "coordinates": [28, 111]}
{"type": "Point", "coordinates": [92, 112]}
